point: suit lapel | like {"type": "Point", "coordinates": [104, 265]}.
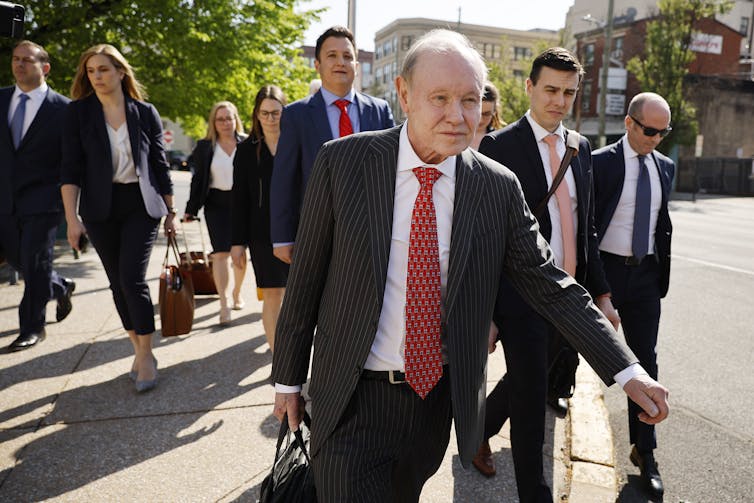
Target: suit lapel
{"type": "Point", "coordinates": [469, 191]}
{"type": "Point", "coordinates": [582, 188]}
{"type": "Point", "coordinates": [318, 117]}
{"type": "Point", "coordinates": [526, 138]}
{"type": "Point", "coordinates": [379, 172]}
{"type": "Point", "coordinates": [43, 114]}
{"type": "Point", "coordinates": [133, 120]}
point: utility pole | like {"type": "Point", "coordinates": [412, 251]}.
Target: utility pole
{"type": "Point", "coordinates": [352, 17]}
{"type": "Point", "coordinates": [603, 74]}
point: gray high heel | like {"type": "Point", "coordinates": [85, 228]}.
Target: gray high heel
{"type": "Point", "coordinates": [134, 374]}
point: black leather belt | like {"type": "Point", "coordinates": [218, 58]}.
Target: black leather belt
{"type": "Point", "coordinates": [629, 261]}
{"type": "Point", "coordinates": [392, 376]}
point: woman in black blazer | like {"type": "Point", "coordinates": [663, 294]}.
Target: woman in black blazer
{"type": "Point", "coordinates": [252, 171]}
{"type": "Point", "coordinates": [212, 165]}
{"type": "Point", "coordinates": [115, 176]}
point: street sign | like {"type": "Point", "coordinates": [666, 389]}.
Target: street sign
{"type": "Point", "coordinates": [168, 137]}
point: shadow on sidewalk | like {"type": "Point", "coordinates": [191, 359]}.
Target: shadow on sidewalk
{"type": "Point", "coordinates": [97, 430]}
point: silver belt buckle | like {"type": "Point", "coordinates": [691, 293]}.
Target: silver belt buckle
{"type": "Point", "coordinates": [391, 377]}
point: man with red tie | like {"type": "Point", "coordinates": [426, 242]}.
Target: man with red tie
{"type": "Point", "coordinates": [533, 148]}
{"type": "Point", "coordinates": [336, 110]}
{"type": "Point", "coordinates": [404, 237]}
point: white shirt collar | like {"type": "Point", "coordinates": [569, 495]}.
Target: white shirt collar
{"type": "Point", "coordinates": [408, 160]}
{"type": "Point", "coordinates": [540, 132]}
{"type": "Point", "coordinates": [629, 153]}
{"type": "Point", "coordinates": [37, 94]}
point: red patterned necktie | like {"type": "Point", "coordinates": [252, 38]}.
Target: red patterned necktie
{"type": "Point", "coordinates": [423, 348]}
{"type": "Point", "coordinates": [344, 125]}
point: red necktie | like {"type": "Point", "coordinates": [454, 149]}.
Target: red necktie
{"type": "Point", "coordinates": [423, 348]}
{"type": "Point", "coordinates": [563, 197]}
{"type": "Point", "coordinates": [344, 126]}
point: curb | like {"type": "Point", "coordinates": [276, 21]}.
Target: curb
{"type": "Point", "coordinates": [593, 477]}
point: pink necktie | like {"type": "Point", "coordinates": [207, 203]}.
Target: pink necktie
{"type": "Point", "coordinates": [423, 347]}
{"type": "Point", "coordinates": [564, 207]}
{"type": "Point", "coordinates": [344, 126]}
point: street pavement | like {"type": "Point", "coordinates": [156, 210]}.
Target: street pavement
{"type": "Point", "coordinates": [72, 427]}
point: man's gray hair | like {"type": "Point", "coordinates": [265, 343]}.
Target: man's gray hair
{"type": "Point", "coordinates": [444, 42]}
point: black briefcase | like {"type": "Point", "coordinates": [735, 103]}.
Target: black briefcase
{"type": "Point", "coordinates": [291, 479]}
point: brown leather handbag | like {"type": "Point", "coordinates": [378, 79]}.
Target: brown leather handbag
{"type": "Point", "coordinates": [176, 295]}
{"type": "Point", "coordinates": [199, 265]}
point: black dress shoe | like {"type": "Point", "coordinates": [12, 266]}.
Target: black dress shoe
{"type": "Point", "coordinates": [28, 340]}
{"type": "Point", "coordinates": [64, 302]}
{"type": "Point", "coordinates": [650, 475]}
{"type": "Point", "coordinates": [559, 404]}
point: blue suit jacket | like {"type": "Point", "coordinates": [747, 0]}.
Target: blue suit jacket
{"type": "Point", "coordinates": [609, 175]}
{"type": "Point", "coordinates": [516, 148]}
{"type": "Point", "coordinates": [304, 128]}
{"type": "Point", "coordinates": [87, 160]}
{"type": "Point", "coordinates": [30, 175]}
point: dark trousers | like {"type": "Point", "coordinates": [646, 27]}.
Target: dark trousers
{"type": "Point", "coordinates": [636, 296]}
{"type": "Point", "coordinates": [521, 396]}
{"type": "Point", "coordinates": [387, 444]}
{"type": "Point", "coordinates": [124, 243]}
{"type": "Point", "coordinates": [28, 242]}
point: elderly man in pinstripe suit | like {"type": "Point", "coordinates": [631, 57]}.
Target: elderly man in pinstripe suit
{"type": "Point", "coordinates": [404, 237]}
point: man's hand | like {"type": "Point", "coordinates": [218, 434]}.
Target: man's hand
{"type": "Point", "coordinates": [650, 396]}
{"type": "Point", "coordinates": [284, 253]}
{"type": "Point", "coordinates": [605, 305]}
{"type": "Point", "coordinates": [238, 255]}
{"type": "Point", "coordinates": [74, 232]}
{"type": "Point", "coordinates": [293, 404]}
{"type": "Point", "coordinates": [492, 343]}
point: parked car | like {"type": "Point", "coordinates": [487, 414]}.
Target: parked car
{"type": "Point", "coordinates": [178, 160]}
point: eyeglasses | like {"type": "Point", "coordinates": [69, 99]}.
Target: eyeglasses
{"type": "Point", "coordinates": [266, 114]}
{"type": "Point", "coordinates": [225, 119]}
{"type": "Point", "coordinates": [650, 131]}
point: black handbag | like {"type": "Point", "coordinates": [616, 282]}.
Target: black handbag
{"type": "Point", "coordinates": [291, 479]}
{"type": "Point", "coordinates": [563, 361]}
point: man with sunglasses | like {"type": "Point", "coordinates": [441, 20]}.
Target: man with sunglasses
{"type": "Point", "coordinates": [632, 183]}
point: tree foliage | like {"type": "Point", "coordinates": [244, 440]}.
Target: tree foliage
{"type": "Point", "coordinates": [187, 53]}
{"type": "Point", "coordinates": [666, 60]}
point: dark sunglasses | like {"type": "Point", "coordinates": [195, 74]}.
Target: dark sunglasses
{"type": "Point", "coordinates": [650, 131]}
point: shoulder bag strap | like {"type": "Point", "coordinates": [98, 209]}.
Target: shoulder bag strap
{"type": "Point", "coordinates": [572, 148]}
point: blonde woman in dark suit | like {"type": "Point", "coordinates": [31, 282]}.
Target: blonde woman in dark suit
{"type": "Point", "coordinates": [212, 165]}
{"type": "Point", "coordinates": [116, 177]}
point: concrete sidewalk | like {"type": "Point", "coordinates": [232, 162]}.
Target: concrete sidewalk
{"type": "Point", "coordinates": [72, 428]}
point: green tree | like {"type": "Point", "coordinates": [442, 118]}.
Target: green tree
{"type": "Point", "coordinates": [188, 53]}
{"type": "Point", "coordinates": [666, 60]}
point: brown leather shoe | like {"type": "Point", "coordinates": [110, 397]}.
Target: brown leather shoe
{"type": "Point", "coordinates": [483, 460]}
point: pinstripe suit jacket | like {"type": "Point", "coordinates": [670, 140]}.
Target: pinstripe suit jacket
{"type": "Point", "coordinates": [338, 275]}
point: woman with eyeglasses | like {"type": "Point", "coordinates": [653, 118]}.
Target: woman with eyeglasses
{"type": "Point", "coordinates": [212, 165]}
{"type": "Point", "coordinates": [252, 171]}
{"type": "Point", "coordinates": [490, 120]}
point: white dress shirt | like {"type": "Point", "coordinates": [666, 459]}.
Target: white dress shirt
{"type": "Point", "coordinates": [619, 233]}
{"type": "Point", "coordinates": [221, 169]}
{"type": "Point", "coordinates": [36, 98]}
{"type": "Point", "coordinates": [556, 237]}
{"type": "Point", "coordinates": [124, 170]}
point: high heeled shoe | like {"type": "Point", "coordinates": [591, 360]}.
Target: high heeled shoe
{"type": "Point", "coordinates": [133, 373]}
{"type": "Point", "coordinates": [146, 385]}
{"type": "Point", "coordinates": [224, 316]}
{"type": "Point", "coordinates": [238, 304]}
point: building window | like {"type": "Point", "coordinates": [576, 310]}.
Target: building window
{"type": "Point", "coordinates": [586, 97]}
{"type": "Point", "coordinates": [378, 53]}
{"type": "Point", "coordinates": [521, 53]}
{"type": "Point", "coordinates": [744, 26]}
{"type": "Point", "coordinates": [588, 58]}
{"type": "Point", "coordinates": [406, 42]}
{"type": "Point", "coordinates": [366, 68]}
{"type": "Point", "coordinates": [617, 53]}
{"type": "Point", "coordinates": [519, 74]}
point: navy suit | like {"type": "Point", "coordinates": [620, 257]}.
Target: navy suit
{"type": "Point", "coordinates": [636, 289]}
{"type": "Point", "coordinates": [121, 219]}
{"type": "Point", "coordinates": [304, 128]}
{"type": "Point", "coordinates": [521, 393]}
{"type": "Point", "coordinates": [30, 205]}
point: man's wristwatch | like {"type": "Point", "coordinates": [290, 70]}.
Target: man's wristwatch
{"type": "Point", "coordinates": [173, 211]}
